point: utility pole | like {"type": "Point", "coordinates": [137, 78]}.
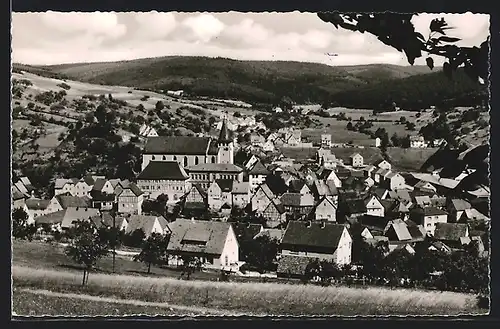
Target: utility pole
{"type": "Point", "coordinates": [114, 241]}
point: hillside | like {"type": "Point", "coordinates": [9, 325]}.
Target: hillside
{"type": "Point", "coordinates": [415, 93]}
{"type": "Point", "coordinates": [253, 81]}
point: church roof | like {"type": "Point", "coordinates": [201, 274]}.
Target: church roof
{"type": "Point", "coordinates": [182, 145]}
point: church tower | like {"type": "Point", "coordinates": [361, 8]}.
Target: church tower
{"type": "Point", "coordinates": [225, 145]}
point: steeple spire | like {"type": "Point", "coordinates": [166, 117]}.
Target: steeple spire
{"type": "Point", "coordinates": [224, 135]}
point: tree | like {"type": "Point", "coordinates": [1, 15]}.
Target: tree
{"type": "Point", "coordinates": [87, 247]}
{"type": "Point", "coordinates": [349, 126]}
{"type": "Point", "coordinates": [190, 265]}
{"type": "Point", "coordinates": [261, 252]}
{"type": "Point", "coordinates": [395, 140]}
{"type": "Point", "coordinates": [402, 120]}
{"type": "Point", "coordinates": [154, 250]}
{"type": "Point", "coordinates": [140, 107]}
{"type": "Point", "coordinates": [20, 227]}
{"type": "Point", "coordinates": [159, 106]}
{"type": "Point", "coordinates": [410, 126]}
{"type": "Point", "coordinates": [134, 239]}
{"type": "Point", "coordinates": [397, 31]}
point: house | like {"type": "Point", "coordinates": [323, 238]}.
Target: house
{"type": "Point", "coordinates": [18, 198]}
{"type": "Point", "coordinates": [325, 189]}
{"type": "Point", "coordinates": [354, 208]}
{"type": "Point", "coordinates": [372, 226]}
{"type": "Point", "coordinates": [107, 220]}
{"type": "Point", "coordinates": [219, 194]}
{"type": "Point", "coordinates": [148, 224]}
{"type": "Point", "coordinates": [103, 201]}
{"type": "Point", "coordinates": [257, 140]}
{"type": "Point", "coordinates": [378, 142]}
{"type": "Point", "coordinates": [380, 192]}
{"type": "Point", "coordinates": [425, 187]}
{"type": "Point", "coordinates": [422, 200]}
{"type": "Point", "coordinates": [214, 243]}
{"type": "Point", "coordinates": [325, 210]}
{"type": "Point", "coordinates": [103, 186]}
{"type": "Point", "coordinates": [395, 209]}
{"type": "Point", "coordinates": [257, 175]}
{"type": "Point", "coordinates": [64, 201]}
{"type": "Point", "coordinates": [297, 203]}
{"type": "Point", "coordinates": [456, 208]}
{"type": "Point", "coordinates": [251, 162]}
{"type": "Point", "coordinates": [417, 142]}
{"type": "Point", "coordinates": [130, 199]}
{"type": "Point", "coordinates": [274, 213]}
{"type": "Point", "coordinates": [394, 181]}
{"type": "Point", "coordinates": [261, 198]}
{"type": "Point", "coordinates": [310, 241]}
{"type": "Point", "coordinates": [383, 164]}
{"type": "Point", "coordinates": [356, 160]}
{"type": "Point", "coordinates": [326, 140]}
{"type": "Point", "coordinates": [428, 217]}
{"type": "Point", "coordinates": [373, 206]}
{"type": "Point", "coordinates": [164, 177]}
{"type": "Point", "coordinates": [330, 175]}
{"type": "Point", "coordinates": [240, 194]}
{"type": "Point", "coordinates": [268, 147]}
{"type": "Point", "coordinates": [196, 194]}
{"type": "Point", "coordinates": [368, 170]}
{"type": "Point", "coordinates": [246, 231]}
{"type": "Point", "coordinates": [399, 231]}
{"type": "Point", "coordinates": [205, 174]}
{"type": "Point", "coordinates": [147, 131]}
{"type": "Point", "coordinates": [472, 215]}
{"type": "Point", "coordinates": [454, 235]}
{"type": "Point", "coordinates": [378, 174]}
{"type": "Point", "coordinates": [64, 219]}
{"type": "Point", "coordinates": [25, 186]}
{"type": "Point", "coordinates": [36, 208]}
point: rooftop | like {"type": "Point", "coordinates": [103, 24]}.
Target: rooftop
{"type": "Point", "coordinates": [163, 170]}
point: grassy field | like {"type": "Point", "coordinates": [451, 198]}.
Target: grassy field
{"type": "Point", "coordinates": [25, 303]}
{"type": "Point", "coordinates": [254, 298]}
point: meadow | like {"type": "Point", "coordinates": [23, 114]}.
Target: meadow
{"type": "Point", "coordinates": [253, 298]}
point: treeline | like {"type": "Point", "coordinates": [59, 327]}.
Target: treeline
{"type": "Point", "coordinates": [414, 93]}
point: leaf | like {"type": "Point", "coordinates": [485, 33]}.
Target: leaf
{"type": "Point", "coordinates": [437, 25]}
{"type": "Point", "coordinates": [420, 36]}
{"type": "Point", "coordinates": [430, 62]}
{"type": "Point", "coordinates": [448, 39]}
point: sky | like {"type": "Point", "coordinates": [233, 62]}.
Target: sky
{"type": "Point", "coordinates": [55, 38]}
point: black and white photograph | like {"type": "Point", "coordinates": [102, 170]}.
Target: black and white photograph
{"type": "Point", "coordinates": [223, 164]}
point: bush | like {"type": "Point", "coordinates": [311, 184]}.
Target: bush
{"type": "Point", "coordinates": [64, 86]}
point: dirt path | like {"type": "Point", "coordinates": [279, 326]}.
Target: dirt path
{"type": "Point", "coordinates": [183, 310]}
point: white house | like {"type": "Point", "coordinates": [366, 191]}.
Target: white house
{"type": "Point", "coordinates": [384, 164]}
{"type": "Point", "coordinates": [164, 177]}
{"type": "Point", "coordinates": [214, 243]}
{"type": "Point", "coordinates": [428, 217]}
{"type": "Point", "coordinates": [374, 207]}
{"type": "Point", "coordinates": [326, 140]}
{"type": "Point", "coordinates": [257, 175]}
{"type": "Point", "coordinates": [326, 210]}
{"type": "Point", "coordinates": [147, 131]}
{"type": "Point", "coordinates": [417, 142]}
{"type": "Point", "coordinates": [356, 160]}
{"type": "Point", "coordinates": [148, 224]}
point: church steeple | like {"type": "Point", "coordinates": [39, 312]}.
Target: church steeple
{"type": "Point", "coordinates": [224, 135]}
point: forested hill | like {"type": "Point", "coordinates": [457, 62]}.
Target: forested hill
{"type": "Point", "coordinates": [252, 81]}
{"type": "Point", "coordinates": [415, 92]}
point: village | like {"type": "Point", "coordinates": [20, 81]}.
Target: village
{"type": "Point", "coordinates": [313, 208]}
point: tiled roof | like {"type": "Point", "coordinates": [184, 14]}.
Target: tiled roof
{"type": "Point", "coordinates": [296, 185]}
{"type": "Point", "coordinates": [459, 204]}
{"type": "Point", "coordinates": [311, 235]}
{"type": "Point", "coordinates": [193, 205]}
{"type": "Point", "coordinates": [294, 200]}
{"type": "Point", "coordinates": [215, 167]}
{"type": "Point", "coordinates": [89, 180]}
{"type": "Point", "coordinates": [241, 188]}
{"type": "Point", "coordinates": [99, 184]}
{"type": "Point", "coordinates": [325, 188]}
{"type": "Point", "coordinates": [259, 169]}
{"type": "Point", "coordinates": [450, 231]}
{"type": "Point", "coordinates": [16, 194]}
{"type": "Point", "coordinates": [145, 223]}
{"type": "Point", "coordinates": [356, 206]}
{"type": "Point", "coordinates": [78, 213]}
{"type": "Point", "coordinates": [373, 222]}
{"type": "Point", "coordinates": [37, 204]}
{"type": "Point", "coordinates": [226, 185]}
{"type": "Point", "coordinates": [181, 145]}
{"type": "Point", "coordinates": [105, 219]}
{"type": "Point", "coordinates": [136, 190]}
{"type": "Point", "coordinates": [163, 170]}
{"type": "Point", "coordinates": [60, 182]}
{"type": "Point", "coordinates": [66, 201]}
{"type": "Point", "coordinates": [267, 191]}
{"type": "Point", "coordinates": [224, 135]}
{"type": "Point", "coordinates": [196, 236]}
{"type": "Point", "coordinates": [246, 231]}
{"type": "Point", "coordinates": [401, 230]}
{"type": "Point", "coordinates": [272, 233]}
{"type": "Point", "coordinates": [433, 211]}
{"type": "Point", "coordinates": [52, 218]}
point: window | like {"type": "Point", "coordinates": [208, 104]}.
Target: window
{"type": "Point", "coordinates": [226, 260]}
{"type": "Point", "coordinates": [164, 158]}
{"type": "Point", "coordinates": [196, 161]}
{"type": "Point", "coordinates": [213, 159]}
{"type": "Point", "coordinates": [175, 158]}
{"type": "Point", "coordinates": [185, 161]}
{"type": "Point", "coordinates": [153, 157]}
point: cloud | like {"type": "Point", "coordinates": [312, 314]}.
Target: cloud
{"type": "Point", "coordinates": [93, 23]}
{"type": "Point", "coordinates": [204, 26]}
{"type": "Point", "coordinates": [155, 25]}
{"type": "Point", "coordinates": [52, 38]}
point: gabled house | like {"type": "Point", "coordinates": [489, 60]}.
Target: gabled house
{"type": "Point", "coordinates": [325, 210]}
{"type": "Point", "coordinates": [383, 164]}
{"type": "Point", "coordinates": [106, 220]}
{"type": "Point", "coordinates": [103, 201]}
{"type": "Point", "coordinates": [299, 186]}
{"type": "Point", "coordinates": [399, 231]}
{"type": "Point", "coordinates": [64, 201]}
{"type": "Point", "coordinates": [268, 147]}
{"type": "Point", "coordinates": [251, 162]}
{"type": "Point", "coordinates": [130, 199]}
{"type": "Point", "coordinates": [325, 189]}
{"type": "Point", "coordinates": [25, 186]}
{"type": "Point", "coordinates": [309, 241]}
{"type": "Point", "coordinates": [297, 203]}
{"type": "Point", "coordinates": [103, 186]}
{"type": "Point", "coordinates": [394, 181]}
{"type": "Point", "coordinates": [219, 193]}
{"type": "Point", "coordinates": [274, 214]}
{"type": "Point", "coordinates": [473, 215]}
{"type": "Point", "coordinates": [425, 187]}
{"type": "Point", "coordinates": [215, 243]}
{"type": "Point", "coordinates": [354, 208]}
{"type": "Point", "coordinates": [148, 224]}
{"type": "Point", "coordinates": [63, 186]}
{"type": "Point", "coordinates": [37, 207]}
{"type": "Point", "coordinates": [380, 193]}
{"type": "Point", "coordinates": [257, 175]}
{"type": "Point", "coordinates": [395, 209]}
{"type": "Point", "coordinates": [147, 131]}
{"type": "Point", "coordinates": [456, 207]}
{"type": "Point", "coordinates": [257, 140]}
{"type": "Point", "coordinates": [164, 177]}
{"type": "Point", "coordinates": [356, 160]}
{"type": "Point", "coordinates": [196, 194]}
{"type": "Point", "coordinates": [454, 235]}
{"type": "Point", "coordinates": [261, 198]}
{"type": "Point", "coordinates": [373, 206]}
{"type": "Point", "coordinates": [240, 194]}
{"type": "Point", "coordinates": [330, 175]}
{"type": "Point", "coordinates": [428, 217]}
{"type": "Point", "coordinates": [65, 219]}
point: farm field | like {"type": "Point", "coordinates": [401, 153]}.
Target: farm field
{"type": "Point", "coordinates": [253, 298]}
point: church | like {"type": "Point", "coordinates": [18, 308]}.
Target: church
{"type": "Point", "coordinates": [204, 158]}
